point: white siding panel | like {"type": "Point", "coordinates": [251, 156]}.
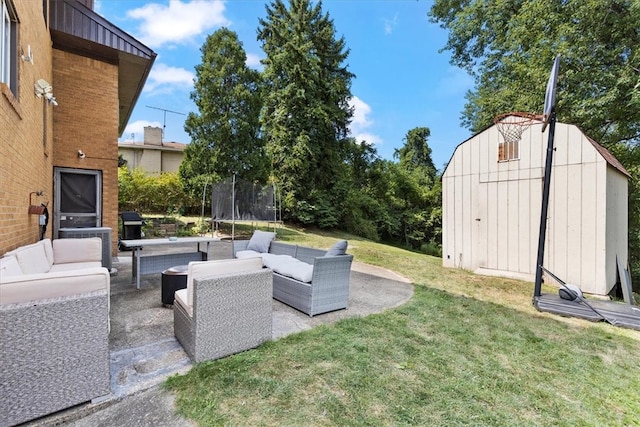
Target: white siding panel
{"type": "Point", "coordinates": [448, 222]}
{"type": "Point", "coordinates": [561, 145]}
{"type": "Point", "coordinates": [601, 243]}
{"type": "Point", "coordinates": [492, 225]}
{"type": "Point", "coordinates": [617, 223]}
{"type": "Point", "coordinates": [467, 230]}
{"type": "Point", "coordinates": [503, 225]}
{"type": "Point", "coordinates": [590, 218]}
{"type": "Point", "coordinates": [481, 249]}
{"type": "Point", "coordinates": [559, 219]}
{"type": "Point", "coordinates": [513, 224]}
{"type": "Point", "coordinates": [523, 251]}
{"type": "Point", "coordinates": [574, 223]}
{"type": "Point", "coordinates": [459, 219]}
{"type": "Point", "coordinates": [576, 145]}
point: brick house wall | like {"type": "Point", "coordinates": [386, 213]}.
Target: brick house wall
{"type": "Point", "coordinates": [88, 89]}
{"type": "Point", "coordinates": [94, 104]}
{"type": "Point", "coordinates": [26, 129]}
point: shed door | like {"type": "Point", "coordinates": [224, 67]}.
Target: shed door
{"type": "Point", "coordinates": [78, 196]}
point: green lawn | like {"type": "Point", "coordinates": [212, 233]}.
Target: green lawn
{"type": "Point", "coordinates": [465, 350]}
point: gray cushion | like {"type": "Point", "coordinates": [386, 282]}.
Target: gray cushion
{"type": "Point", "coordinates": [260, 241]}
{"type": "Point", "coordinates": [338, 248]}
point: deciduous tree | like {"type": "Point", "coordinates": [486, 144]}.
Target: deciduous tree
{"type": "Point", "coordinates": [225, 132]}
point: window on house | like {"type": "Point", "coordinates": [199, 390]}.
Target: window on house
{"type": "Point", "coordinates": [508, 151]}
{"type": "Point", "coordinates": [8, 45]}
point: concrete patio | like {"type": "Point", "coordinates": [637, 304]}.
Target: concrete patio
{"type": "Point", "coordinates": [144, 350]}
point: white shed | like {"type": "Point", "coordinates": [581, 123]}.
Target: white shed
{"type": "Point", "coordinates": [491, 208]}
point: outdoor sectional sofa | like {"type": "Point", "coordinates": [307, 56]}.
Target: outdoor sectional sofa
{"type": "Point", "coordinates": [313, 281]}
{"type": "Point", "coordinates": [54, 328]}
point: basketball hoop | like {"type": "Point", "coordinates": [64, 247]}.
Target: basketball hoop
{"type": "Point", "coordinates": [512, 125]}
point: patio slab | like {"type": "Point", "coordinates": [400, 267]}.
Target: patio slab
{"type": "Point", "coordinates": [144, 351]}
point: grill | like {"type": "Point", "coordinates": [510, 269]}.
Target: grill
{"type": "Point", "coordinates": [132, 224]}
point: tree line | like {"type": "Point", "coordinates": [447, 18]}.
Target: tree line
{"type": "Point", "coordinates": [289, 125]}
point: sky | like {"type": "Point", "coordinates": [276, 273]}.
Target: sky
{"type": "Point", "coordinates": [402, 78]}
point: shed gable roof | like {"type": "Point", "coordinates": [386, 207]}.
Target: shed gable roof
{"type": "Point", "coordinates": [606, 154]}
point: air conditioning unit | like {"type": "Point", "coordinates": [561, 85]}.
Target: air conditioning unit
{"type": "Point", "coordinates": [103, 232]}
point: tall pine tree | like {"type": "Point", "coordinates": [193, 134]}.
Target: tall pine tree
{"type": "Point", "coordinates": [305, 115]}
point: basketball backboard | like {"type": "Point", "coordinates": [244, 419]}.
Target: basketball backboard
{"type": "Point", "coordinates": [550, 94]}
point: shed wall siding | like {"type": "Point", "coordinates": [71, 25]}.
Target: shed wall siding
{"type": "Point", "coordinates": [491, 209]}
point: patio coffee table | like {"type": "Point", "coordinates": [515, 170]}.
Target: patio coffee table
{"type": "Point", "coordinates": [157, 262]}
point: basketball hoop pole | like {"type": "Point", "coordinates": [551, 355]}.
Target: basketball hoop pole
{"type": "Point", "coordinates": [545, 205]}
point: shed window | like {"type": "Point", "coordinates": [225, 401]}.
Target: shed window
{"type": "Point", "coordinates": [8, 45]}
{"type": "Point", "coordinates": [508, 151]}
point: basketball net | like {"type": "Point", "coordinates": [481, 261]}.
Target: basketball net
{"type": "Point", "coordinates": [512, 125]}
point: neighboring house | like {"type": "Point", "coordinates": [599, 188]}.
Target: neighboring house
{"type": "Point", "coordinates": [491, 205]}
{"type": "Point", "coordinates": [153, 156]}
{"type": "Point", "coordinates": [60, 148]}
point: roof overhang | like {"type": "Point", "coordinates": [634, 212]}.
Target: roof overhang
{"type": "Point", "coordinates": [77, 29]}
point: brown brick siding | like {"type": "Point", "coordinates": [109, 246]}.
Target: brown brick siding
{"type": "Point", "coordinates": [87, 119]}
{"type": "Point", "coordinates": [36, 136]}
{"type": "Point", "coordinates": [25, 162]}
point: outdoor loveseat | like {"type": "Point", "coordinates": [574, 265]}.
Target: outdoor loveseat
{"type": "Point", "coordinates": [54, 328]}
{"type": "Point", "coordinates": [313, 281]}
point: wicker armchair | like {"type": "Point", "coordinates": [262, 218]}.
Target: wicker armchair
{"type": "Point", "coordinates": [231, 312]}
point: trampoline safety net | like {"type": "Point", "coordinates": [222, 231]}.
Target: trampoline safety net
{"type": "Point", "coordinates": [238, 200]}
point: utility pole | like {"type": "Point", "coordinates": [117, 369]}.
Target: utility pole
{"type": "Point", "coordinates": [164, 117]}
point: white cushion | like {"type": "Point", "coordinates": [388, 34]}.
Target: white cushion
{"type": "Point", "coordinates": [248, 254]}
{"type": "Point", "coordinates": [199, 269]}
{"type": "Point", "coordinates": [289, 266]}
{"type": "Point", "coordinates": [33, 259]}
{"type": "Point", "coordinates": [9, 267]}
{"type": "Point", "coordinates": [181, 298]}
{"type": "Point", "coordinates": [33, 287]}
{"type": "Point", "coordinates": [70, 266]}
{"type": "Point", "coordinates": [260, 241]}
{"type": "Point", "coordinates": [77, 250]}
{"type": "Point", "coordinates": [48, 250]}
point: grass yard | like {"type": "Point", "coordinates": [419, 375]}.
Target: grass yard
{"type": "Point", "coordinates": [466, 350]}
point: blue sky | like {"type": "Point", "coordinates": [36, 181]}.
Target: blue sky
{"type": "Point", "coordinates": [402, 80]}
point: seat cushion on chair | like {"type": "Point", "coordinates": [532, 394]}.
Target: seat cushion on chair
{"type": "Point", "coordinates": [181, 298]}
{"type": "Point", "coordinates": [260, 241]}
{"type": "Point", "coordinates": [289, 266]}
{"type": "Point", "coordinates": [248, 254]}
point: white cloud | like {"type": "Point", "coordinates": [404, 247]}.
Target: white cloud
{"type": "Point", "coordinates": [253, 61]}
{"type": "Point", "coordinates": [360, 112]}
{"type": "Point", "coordinates": [164, 79]}
{"type": "Point", "coordinates": [360, 122]}
{"type": "Point", "coordinates": [134, 132]}
{"type": "Point", "coordinates": [179, 22]}
{"type": "Point", "coordinates": [390, 24]}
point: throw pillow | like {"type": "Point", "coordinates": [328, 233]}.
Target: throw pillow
{"type": "Point", "coordinates": [338, 248]}
{"type": "Point", "coordinates": [260, 241]}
